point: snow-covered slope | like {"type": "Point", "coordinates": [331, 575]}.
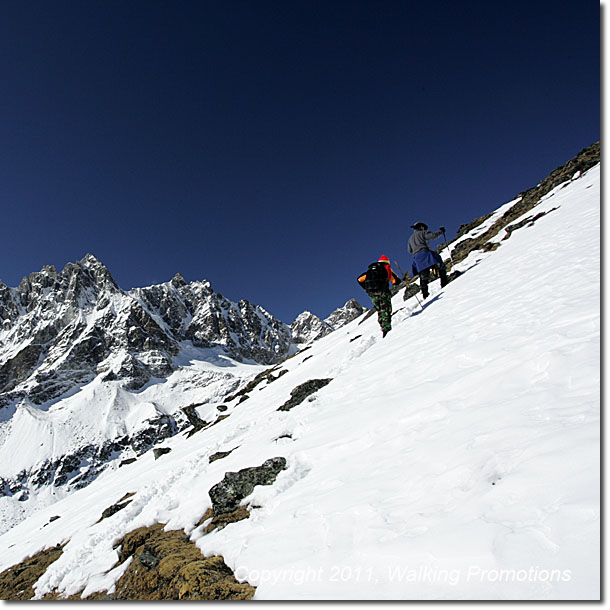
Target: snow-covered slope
{"type": "Point", "coordinates": [456, 458]}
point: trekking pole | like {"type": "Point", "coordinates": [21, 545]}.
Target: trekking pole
{"type": "Point", "coordinates": [403, 275]}
{"type": "Point", "coordinates": [448, 249]}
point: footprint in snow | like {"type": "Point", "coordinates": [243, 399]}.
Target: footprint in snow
{"type": "Point", "coordinates": [361, 347]}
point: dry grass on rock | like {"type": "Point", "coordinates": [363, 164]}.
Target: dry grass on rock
{"type": "Point", "coordinates": [17, 583]}
{"type": "Point", "coordinates": [167, 565]}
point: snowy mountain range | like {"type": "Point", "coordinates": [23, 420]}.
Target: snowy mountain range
{"type": "Point", "coordinates": [166, 443]}
{"type": "Point", "coordinates": [62, 331]}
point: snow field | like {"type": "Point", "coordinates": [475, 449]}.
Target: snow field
{"type": "Point", "coordinates": [456, 458]}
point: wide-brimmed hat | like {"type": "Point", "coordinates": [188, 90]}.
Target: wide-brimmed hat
{"type": "Point", "coordinates": [420, 226]}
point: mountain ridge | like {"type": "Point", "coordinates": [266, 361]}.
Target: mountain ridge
{"type": "Point", "coordinates": [58, 330]}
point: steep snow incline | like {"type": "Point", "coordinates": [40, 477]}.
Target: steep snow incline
{"type": "Point", "coordinates": [457, 458]}
{"type": "Point", "coordinates": [72, 440]}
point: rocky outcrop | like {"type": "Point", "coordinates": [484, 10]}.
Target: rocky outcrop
{"type": "Point", "coordinates": [118, 506]}
{"type": "Point", "coordinates": [526, 201]}
{"type": "Point", "coordinates": [227, 495]}
{"type": "Point", "coordinates": [303, 391]}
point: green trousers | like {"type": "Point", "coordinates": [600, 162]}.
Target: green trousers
{"type": "Point", "coordinates": [383, 305]}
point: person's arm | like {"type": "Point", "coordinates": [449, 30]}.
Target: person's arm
{"type": "Point", "coordinates": [430, 235]}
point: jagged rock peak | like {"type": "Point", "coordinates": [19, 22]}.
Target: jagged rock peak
{"type": "Point", "coordinates": [99, 271]}
{"type": "Point", "coordinates": [344, 315]}
{"type": "Point", "coordinates": [91, 260]}
{"type": "Point", "coordinates": [308, 327]}
{"type": "Point", "coordinates": [178, 281]}
{"type": "Point", "coordinates": [89, 272]}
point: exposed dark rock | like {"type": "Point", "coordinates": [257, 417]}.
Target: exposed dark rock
{"type": "Point", "coordinates": [112, 510]}
{"type": "Point", "coordinates": [219, 455]}
{"type": "Point", "coordinates": [586, 159]}
{"type": "Point", "coordinates": [147, 559]}
{"type": "Point", "coordinates": [466, 228]}
{"type": "Point", "coordinates": [227, 495]}
{"type": "Point", "coordinates": [266, 375]}
{"type": "Point", "coordinates": [160, 451]}
{"type": "Point", "coordinates": [194, 419]}
{"type": "Point", "coordinates": [303, 391]}
{"type": "Point", "coordinates": [157, 429]}
{"type": "Point", "coordinates": [18, 368]}
{"type": "Point", "coordinates": [526, 222]}
{"type": "Point", "coordinates": [115, 508]}
{"type": "Point", "coordinates": [133, 372]}
{"type": "Point", "coordinates": [219, 419]}
{"type": "Point", "coordinates": [220, 521]}
{"type": "Point", "coordinates": [411, 290]}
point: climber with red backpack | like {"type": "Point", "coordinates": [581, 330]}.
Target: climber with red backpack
{"type": "Point", "coordinates": [376, 281]}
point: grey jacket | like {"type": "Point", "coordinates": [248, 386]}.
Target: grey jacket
{"type": "Point", "coordinates": [419, 240]}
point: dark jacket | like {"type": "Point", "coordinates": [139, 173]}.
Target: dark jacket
{"type": "Point", "coordinates": [374, 282]}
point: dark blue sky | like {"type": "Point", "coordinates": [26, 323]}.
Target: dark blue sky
{"type": "Point", "coordinates": [276, 148]}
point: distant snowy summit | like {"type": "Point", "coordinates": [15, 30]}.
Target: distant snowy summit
{"type": "Point", "coordinates": [308, 327]}
{"type": "Point", "coordinates": [58, 331]}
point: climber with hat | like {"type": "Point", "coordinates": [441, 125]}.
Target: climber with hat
{"type": "Point", "coordinates": [376, 281]}
{"type": "Point", "coordinates": [424, 259]}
